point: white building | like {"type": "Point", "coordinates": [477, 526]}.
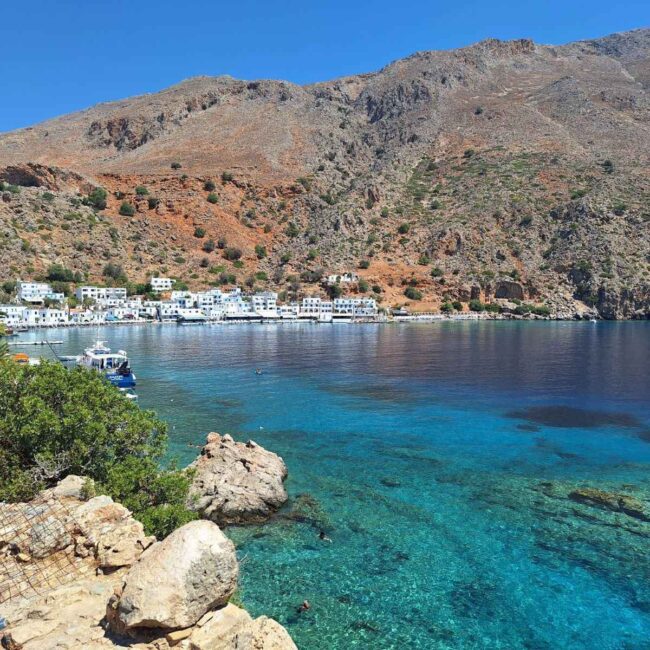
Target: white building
{"type": "Point", "coordinates": [103, 296]}
{"type": "Point", "coordinates": [161, 284]}
{"type": "Point", "coordinates": [12, 315]}
{"type": "Point", "coordinates": [265, 304]}
{"type": "Point", "coordinates": [45, 317]}
{"type": "Point", "coordinates": [37, 292]}
{"type": "Point", "coordinates": [316, 307]}
{"type": "Point", "coordinates": [355, 307]}
{"type": "Point", "coordinates": [342, 278]}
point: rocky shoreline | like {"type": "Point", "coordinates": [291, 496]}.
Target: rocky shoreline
{"type": "Point", "coordinates": [80, 572]}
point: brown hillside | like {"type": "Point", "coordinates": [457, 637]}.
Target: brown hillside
{"type": "Point", "coordinates": [503, 161]}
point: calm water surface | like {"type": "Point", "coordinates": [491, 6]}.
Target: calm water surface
{"type": "Point", "coordinates": [438, 458]}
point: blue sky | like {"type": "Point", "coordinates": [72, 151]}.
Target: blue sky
{"type": "Point", "coordinates": [58, 56]}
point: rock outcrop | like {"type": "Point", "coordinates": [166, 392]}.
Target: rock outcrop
{"type": "Point", "coordinates": [80, 591]}
{"type": "Point", "coordinates": [236, 482]}
{"type": "Point", "coordinates": [179, 579]}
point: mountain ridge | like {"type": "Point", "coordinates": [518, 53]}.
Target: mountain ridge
{"type": "Point", "coordinates": [456, 145]}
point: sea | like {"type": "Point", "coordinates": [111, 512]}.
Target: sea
{"type": "Point", "coordinates": [443, 462]}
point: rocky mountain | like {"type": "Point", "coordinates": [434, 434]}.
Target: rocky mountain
{"type": "Point", "coordinates": [505, 169]}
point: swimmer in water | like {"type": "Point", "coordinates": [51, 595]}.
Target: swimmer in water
{"type": "Point", "coordinates": [323, 537]}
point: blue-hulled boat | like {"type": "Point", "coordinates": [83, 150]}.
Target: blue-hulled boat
{"type": "Point", "coordinates": [114, 365]}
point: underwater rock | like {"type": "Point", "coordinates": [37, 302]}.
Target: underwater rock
{"type": "Point", "coordinates": [610, 501]}
{"type": "Point", "coordinates": [235, 482]}
{"type": "Point", "coordinates": [390, 482]}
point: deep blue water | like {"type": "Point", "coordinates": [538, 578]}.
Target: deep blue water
{"type": "Point", "coordinates": [420, 450]}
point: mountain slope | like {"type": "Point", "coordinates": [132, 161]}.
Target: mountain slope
{"type": "Point", "coordinates": [499, 161]}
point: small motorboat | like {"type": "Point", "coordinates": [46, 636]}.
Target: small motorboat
{"type": "Point", "coordinates": [114, 365]}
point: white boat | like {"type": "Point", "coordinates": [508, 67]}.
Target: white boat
{"type": "Point", "coordinates": [114, 365]}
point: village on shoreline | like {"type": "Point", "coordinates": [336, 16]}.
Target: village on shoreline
{"type": "Point", "coordinates": [39, 305]}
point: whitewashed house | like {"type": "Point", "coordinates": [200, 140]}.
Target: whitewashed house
{"type": "Point", "coordinates": [161, 284]}
{"type": "Point", "coordinates": [37, 292]}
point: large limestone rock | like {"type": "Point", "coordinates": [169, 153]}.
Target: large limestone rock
{"type": "Point", "coordinates": [119, 539]}
{"type": "Point", "coordinates": [178, 580]}
{"type": "Point", "coordinates": [237, 482]}
{"type": "Point", "coordinates": [231, 628]}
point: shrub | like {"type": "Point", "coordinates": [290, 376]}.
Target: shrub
{"type": "Point", "coordinates": [437, 272]}
{"type": "Point", "coordinates": [56, 422]}
{"type": "Point", "coordinates": [403, 228]}
{"type": "Point", "coordinates": [457, 305]}
{"type": "Point", "coordinates": [608, 166]}
{"type": "Point", "coordinates": [213, 198]}
{"type": "Point", "coordinates": [97, 198]}
{"type": "Point", "coordinates": [199, 232]}
{"type": "Point", "coordinates": [113, 271]}
{"type": "Point", "coordinates": [305, 183]}
{"type": "Point", "coordinates": [364, 264]}
{"type": "Point", "coordinates": [285, 257]}
{"type": "Point", "coordinates": [492, 307]}
{"type": "Point", "coordinates": [292, 230]}
{"type": "Point", "coordinates": [153, 202]}
{"type": "Point", "coordinates": [179, 259]}
{"type": "Point", "coordinates": [412, 293]}
{"type": "Point", "coordinates": [58, 272]}
{"type": "Point", "coordinates": [232, 254]}
{"type": "Point", "coordinates": [208, 245]}
{"type": "Point", "coordinates": [176, 165]}
{"type": "Point", "coordinates": [578, 194]}
{"type": "Point", "coordinates": [476, 305]}
{"type": "Point", "coordinates": [221, 243]}
{"type": "Point", "coordinates": [261, 276]}
{"type": "Point", "coordinates": [238, 264]}
{"type": "Point", "coordinates": [260, 251]}
{"type": "Point", "coordinates": [446, 307]}
{"type": "Point", "coordinates": [619, 208]}
{"type": "Point", "coordinates": [312, 254]}
{"type": "Point", "coordinates": [424, 260]}
{"type": "Point", "coordinates": [384, 212]}
{"type": "Point", "coordinates": [468, 153]}
{"type": "Point", "coordinates": [478, 110]}
{"type": "Point", "coordinates": [362, 286]}
{"type": "Point", "coordinates": [209, 186]}
{"type": "Point", "coordinates": [141, 190]}
{"type": "Point", "coordinates": [48, 196]}
{"type": "Point", "coordinates": [126, 209]}
{"type": "Point", "coordinates": [227, 177]}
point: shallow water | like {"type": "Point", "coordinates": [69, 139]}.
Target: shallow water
{"type": "Point", "coordinates": [438, 458]}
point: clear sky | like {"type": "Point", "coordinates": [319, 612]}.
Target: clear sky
{"type": "Point", "coordinates": [58, 56]}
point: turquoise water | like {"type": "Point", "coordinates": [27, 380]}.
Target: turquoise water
{"type": "Point", "coordinates": [439, 459]}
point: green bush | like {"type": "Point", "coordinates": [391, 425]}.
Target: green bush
{"type": "Point", "coordinates": [97, 198]}
{"type": "Point", "coordinates": [153, 202]}
{"type": "Point", "coordinates": [59, 273]}
{"type": "Point", "coordinates": [476, 305]}
{"type": "Point", "coordinates": [364, 264]}
{"type": "Point", "coordinates": [199, 232]}
{"type": "Point", "coordinates": [227, 177]}
{"type": "Point", "coordinates": [362, 286]}
{"type": "Point", "coordinates": [424, 260]}
{"type": "Point", "coordinates": [403, 228]}
{"type": "Point", "coordinates": [176, 165]}
{"type": "Point", "coordinates": [292, 230]}
{"type": "Point", "coordinates": [213, 198]}
{"type": "Point", "coordinates": [55, 422]}
{"type": "Point", "coordinates": [113, 271]}
{"type": "Point", "coordinates": [437, 272]}
{"type": "Point", "coordinates": [208, 245]}
{"type": "Point", "coordinates": [457, 305]}
{"type": "Point", "coordinates": [412, 293]}
{"type": "Point", "coordinates": [141, 190]}
{"type": "Point", "coordinates": [232, 254]}
{"type": "Point", "coordinates": [260, 251]}
{"type": "Point", "coordinates": [446, 307]}
{"type": "Point", "coordinates": [209, 186]}
{"type": "Point", "coordinates": [126, 209]}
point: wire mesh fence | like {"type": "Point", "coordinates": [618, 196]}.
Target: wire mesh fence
{"type": "Point", "coordinates": [37, 551]}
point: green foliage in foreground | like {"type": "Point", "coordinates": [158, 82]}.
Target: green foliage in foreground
{"type": "Point", "coordinates": [55, 422]}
